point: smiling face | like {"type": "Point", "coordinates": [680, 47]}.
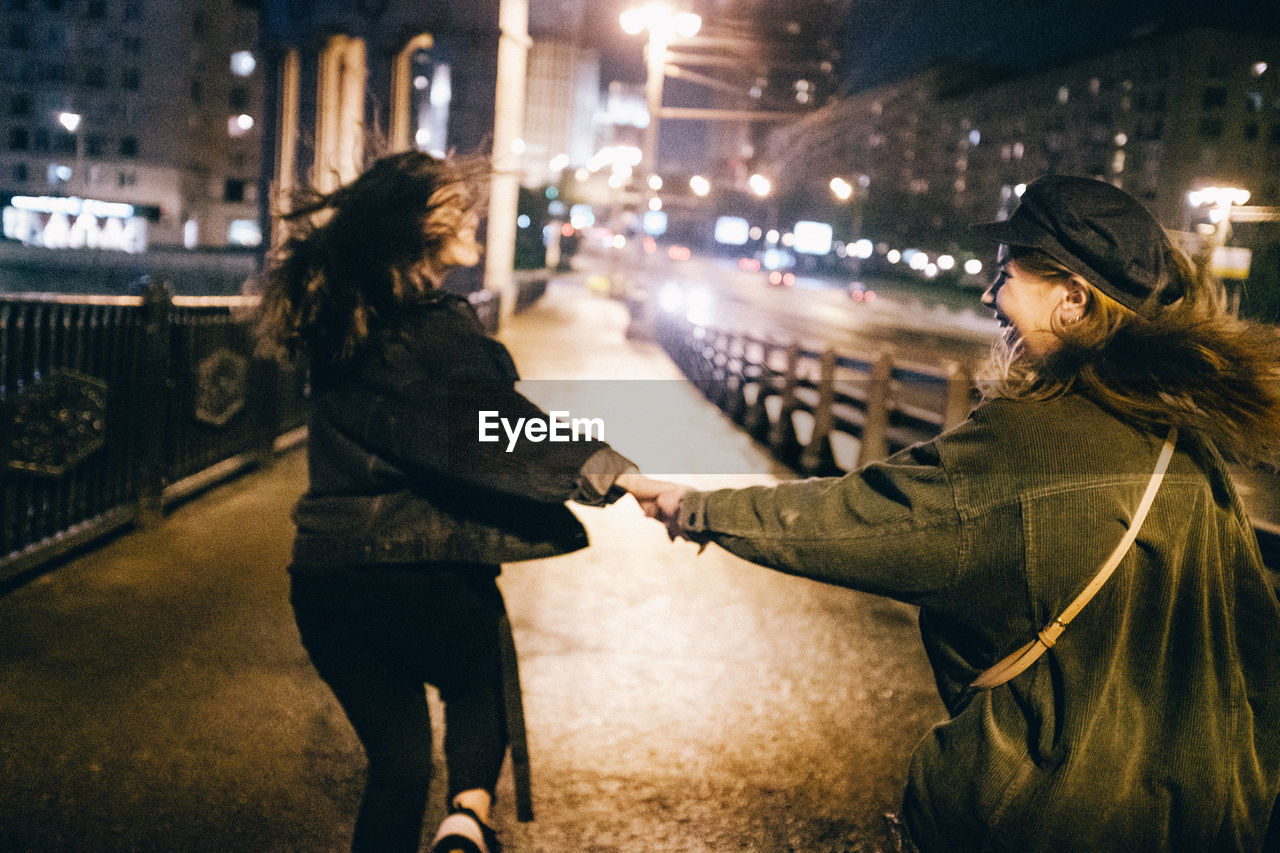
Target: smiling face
{"type": "Point", "coordinates": [1029, 302]}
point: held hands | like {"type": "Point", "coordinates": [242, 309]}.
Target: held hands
{"type": "Point", "coordinates": [659, 499]}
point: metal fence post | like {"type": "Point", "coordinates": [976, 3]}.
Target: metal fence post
{"type": "Point", "coordinates": [875, 429]}
{"type": "Point", "coordinates": [959, 396]}
{"type": "Point", "coordinates": [264, 403]}
{"type": "Point", "coordinates": [782, 434]}
{"type": "Point", "coordinates": [817, 456]}
{"type": "Point", "coordinates": [154, 385]}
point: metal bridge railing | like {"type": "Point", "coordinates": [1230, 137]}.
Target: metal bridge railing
{"type": "Point", "coordinates": [113, 406]}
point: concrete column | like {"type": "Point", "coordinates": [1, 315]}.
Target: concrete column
{"type": "Point", "coordinates": [508, 124]}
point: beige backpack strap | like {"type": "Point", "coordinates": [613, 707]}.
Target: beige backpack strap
{"type": "Point", "coordinates": [1018, 662]}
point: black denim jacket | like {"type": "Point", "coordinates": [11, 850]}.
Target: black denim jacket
{"type": "Point", "coordinates": [397, 471]}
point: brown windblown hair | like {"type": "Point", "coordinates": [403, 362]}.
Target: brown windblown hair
{"type": "Point", "coordinates": [353, 256]}
{"type": "Point", "coordinates": [1191, 364]}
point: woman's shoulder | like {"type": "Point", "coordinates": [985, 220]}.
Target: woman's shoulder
{"type": "Point", "coordinates": [1063, 437]}
{"type": "Point", "coordinates": [443, 336]}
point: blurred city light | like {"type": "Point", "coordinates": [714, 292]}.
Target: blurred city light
{"type": "Point", "coordinates": [700, 185]}
{"type": "Point", "coordinates": [243, 63]}
{"type": "Point", "coordinates": [655, 223]}
{"type": "Point", "coordinates": [1217, 196]}
{"type": "Point", "coordinates": [659, 18]}
{"type": "Point", "coordinates": [759, 185]}
{"type": "Point", "coordinates": [698, 307]}
{"type": "Point", "coordinates": [581, 216]}
{"type": "Point", "coordinates": [732, 230]}
{"type": "Point", "coordinates": [842, 189]}
{"type": "Point", "coordinates": [70, 121]}
{"type": "Point", "coordinates": [973, 266]}
{"type": "Point", "coordinates": [655, 183]}
{"type": "Point", "coordinates": [812, 238]}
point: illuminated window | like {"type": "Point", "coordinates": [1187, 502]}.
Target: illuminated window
{"type": "Point", "coordinates": [244, 232]}
{"type": "Point", "coordinates": [243, 63]}
{"type": "Point", "coordinates": [239, 125]}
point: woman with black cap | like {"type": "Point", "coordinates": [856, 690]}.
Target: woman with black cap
{"type": "Point", "coordinates": [1087, 489]}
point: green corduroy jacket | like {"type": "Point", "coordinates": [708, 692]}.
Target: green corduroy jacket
{"type": "Point", "coordinates": [1152, 725]}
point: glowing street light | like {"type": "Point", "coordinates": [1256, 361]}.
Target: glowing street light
{"type": "Point", "coordinates": [841, 188]}
{"type": "Point", "coordinates": [1220, 199]}
{"type": "Point", "coordinates": [71, 121]}
{"type": "Point", "coordinates": [664, 26]}
{"type": "Point", "coordinates": [759, 185]}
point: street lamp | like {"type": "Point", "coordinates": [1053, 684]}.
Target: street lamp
{"type": "Point", "coordinates": [71, 121]}
{"type": "Point", "coordinates": [664, 26]}
{"type": "Point", "coordinates": [1220, 200]}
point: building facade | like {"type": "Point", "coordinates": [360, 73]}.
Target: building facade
{"type": "Point", "coordinates": [152, 105]}
{"type": "Point", "coordinates": [1159, 118]}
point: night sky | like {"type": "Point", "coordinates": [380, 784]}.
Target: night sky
{"type": "Point", "coordinates": [888, 39]}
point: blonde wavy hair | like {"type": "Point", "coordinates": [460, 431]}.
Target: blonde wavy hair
{"type": "Point", "coordinates": [354, 256]}
{"type": "Point", "coordinates": [1191, 364]}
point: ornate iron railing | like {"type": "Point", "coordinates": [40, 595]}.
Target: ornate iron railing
{"type": "Point", "coordinates": [113, 406]}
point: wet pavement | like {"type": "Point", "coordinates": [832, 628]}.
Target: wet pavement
{"type": "Point", "coordinates": [154, 695]}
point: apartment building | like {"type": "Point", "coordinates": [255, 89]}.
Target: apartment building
{"type": "Point", "coordinates": [150, 109]}
{"type": "Point", "coordinates": [1159, 117]}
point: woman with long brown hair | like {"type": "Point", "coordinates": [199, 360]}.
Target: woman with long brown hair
{"type": "Point", "coordinates": [1088, 489]}
{"type": "Point", "coordinates": [409, 515]}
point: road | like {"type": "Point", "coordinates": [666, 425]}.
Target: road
{"type": "Point", "coordinates": [917, 323]}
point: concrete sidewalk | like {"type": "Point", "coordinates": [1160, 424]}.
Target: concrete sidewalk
{"type": "Point", "coordinates": [154, 695]}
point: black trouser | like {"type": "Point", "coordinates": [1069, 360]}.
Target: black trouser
{"type": "Point", "coordinates": [376, 634]}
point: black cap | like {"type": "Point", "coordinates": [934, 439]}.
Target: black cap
{"type": "Point", "coordinates": [1098, 231]}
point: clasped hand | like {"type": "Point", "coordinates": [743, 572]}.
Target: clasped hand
{"type": "Point", "coordinates": [659, 499]}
